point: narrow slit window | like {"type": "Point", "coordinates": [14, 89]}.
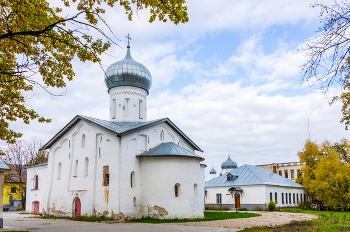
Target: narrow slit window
{"type": "Point", "coordinates": [36, 182]}
{"type": "Point", "coordinates": [276, 198]}
{"type": "Point", "coordinates": [86, 166]}
{"type": "Point", "coordinates": [140, 109]}
{"type": "Point", "coordinates": [59, 171]}
{"type": "Point", "coordinates": [162, 136]}
{"type": "Point", "coordinates": [195, 189]}
{"type": "Point", "coordinates": [83, 140]}
{"type": "Point", "coordinates": [105, 181]}
{"type": "Point", "coordinates": [132, 179]}
{"type": "Point", "coordinates": [293, 198]}
{"type": "Point", "coordinates": [177, 190]}
{"type": "Point", "coordinates": [126, 109]}
{"type": "Point", "coordinates": [114, 108]}
{"type": "Point", "coordinates": [76, 169]}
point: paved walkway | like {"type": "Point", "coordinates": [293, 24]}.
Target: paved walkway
{"type": "Point", "coordinates": [13, 220]}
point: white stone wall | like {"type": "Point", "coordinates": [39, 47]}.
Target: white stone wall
{"type": "Point", "coordinates": [159, 176]}
{"type": "Point", "coordinates": [128, 103]}
{"type": "Point", "coordinates": [102, 147]}
{"type": "Point", "coordinates": [39, 194]}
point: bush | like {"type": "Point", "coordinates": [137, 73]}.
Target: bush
{"type": "Point", "coordinates": [243, 209]}
{"type": "Point", "coordinates": [305, 205]}
{"type": "Point", "coordinates": [271, 206]}
{"type": "Point", "coordinates": [212, 207]}
{"type": "Point", "coordinates": [258, 208]}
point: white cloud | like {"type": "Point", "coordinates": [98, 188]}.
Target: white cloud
{"type": "Point", "coordinates": [257, 128]}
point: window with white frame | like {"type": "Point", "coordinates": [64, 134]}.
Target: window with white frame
{"type": "Point", "coordinates": [218, 198]}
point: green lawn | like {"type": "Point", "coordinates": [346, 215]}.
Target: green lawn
{"type": "Point", "coordinates": [327, 221]}
{"type": "Point", "coordinates": [208, 216]}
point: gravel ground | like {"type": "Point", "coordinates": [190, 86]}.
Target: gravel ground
{"type": "Point", "coordinates": [266, 219]}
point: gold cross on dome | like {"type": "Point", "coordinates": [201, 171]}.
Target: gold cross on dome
{"type": "Point", "coordinates": [129, 38]}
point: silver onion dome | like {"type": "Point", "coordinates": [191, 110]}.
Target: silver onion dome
{"type": "Point", "coordinates": [229, 164]}
{"type": "Point", "coordinates": [128, 72]}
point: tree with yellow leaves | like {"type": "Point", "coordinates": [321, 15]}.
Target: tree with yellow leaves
{"type": "Point", "coordinates": [326, 174]}
{"type": "Point", "coordinates": [37, 40]}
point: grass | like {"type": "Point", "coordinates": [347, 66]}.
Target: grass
{"type": "Point", "coordinates": [327, 221]}
{"type": "Point", "coordinates": [49, 217]}
{"type": "Point", "coordinates": [208, 216]}
{"type": "Point", "coordinates": [93, 219]}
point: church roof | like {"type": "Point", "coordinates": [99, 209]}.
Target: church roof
{"type": "Point", "coordinates": [120, 128]}
{"type": "Point", "coordinates": [128, 72]}
{"type": "Point", "coordinates": [251, 175]}
{"type": "Point", "coordinates": [229, 164]}
{"type": "Point", "coordinates": [169, 149]}
{"type": "Point", "coordinates": [212, 171]}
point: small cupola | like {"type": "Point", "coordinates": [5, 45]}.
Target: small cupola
{"type": "Point", "coordinates": [228, 165]}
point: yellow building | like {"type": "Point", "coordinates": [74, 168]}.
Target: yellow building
{"type": "Point", "coordinates": [17, 190]}
{"type": "Point", "coordinates": [290, 170]}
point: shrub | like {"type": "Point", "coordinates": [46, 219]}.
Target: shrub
{"type": "Point", "coordinates": [271, 206]}
{"type": "Point", "coordinates": [243, 209]}
{"type": "Point", "coordinates": [212, 207]}
{"type": "Point", "coordinates": [258, 208]}
{"type": "Point", "coordinates": [305, 205]}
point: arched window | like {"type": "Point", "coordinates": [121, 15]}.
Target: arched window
{"type": "Point", "coordinates": [132, 179]}
{"type": "Point", "coordinates": [36, 182]}
{"type": "Point", "coordinates": [86, 166]}
{"type": "Point", "coordinates": [177, 190]}
{"type": "Point", "coordinates": [99, 152]}
{"type": "Point", "coordinates": [76, 168]}
{"type": "Point", "coordinates": [162, 136]}
{"type": "Point", "coordinates": [59, 171]}
{"type": "Point", "coordinates": [195, 188]}
{"type": "Point", "coordinates": [83, 140]}
{"type": "Point", "coordinates": [134, 201]}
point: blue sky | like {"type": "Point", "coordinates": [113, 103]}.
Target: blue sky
{"type": "Point", "coordinates": [229, 78]}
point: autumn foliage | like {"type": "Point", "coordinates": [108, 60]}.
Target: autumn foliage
{"type": "Point", "coordinates": [38, 43]}
{"type": "Point", "coordinates": [326, 174]}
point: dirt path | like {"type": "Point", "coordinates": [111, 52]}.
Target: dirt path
{"type": "Point", "coordinates": [266, 219]}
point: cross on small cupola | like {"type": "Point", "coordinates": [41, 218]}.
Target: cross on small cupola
{"type": "Point", "coordinates": [129, 38]}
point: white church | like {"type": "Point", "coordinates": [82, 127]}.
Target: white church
{"type": "Point", "coordinates": [126, 166]}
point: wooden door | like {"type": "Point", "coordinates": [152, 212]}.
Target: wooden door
{"type": "Point", "coordinates": [36, 207]}
{"type": "Point", "coordinates": [77, 208]}
{"type": "Point", "coordinates": [238, 202]}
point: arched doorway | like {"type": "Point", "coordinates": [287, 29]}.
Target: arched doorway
{"type": "Point", "coordinates": [77, 208]}
{"type": "Point", "coordinates": [36, 207]}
